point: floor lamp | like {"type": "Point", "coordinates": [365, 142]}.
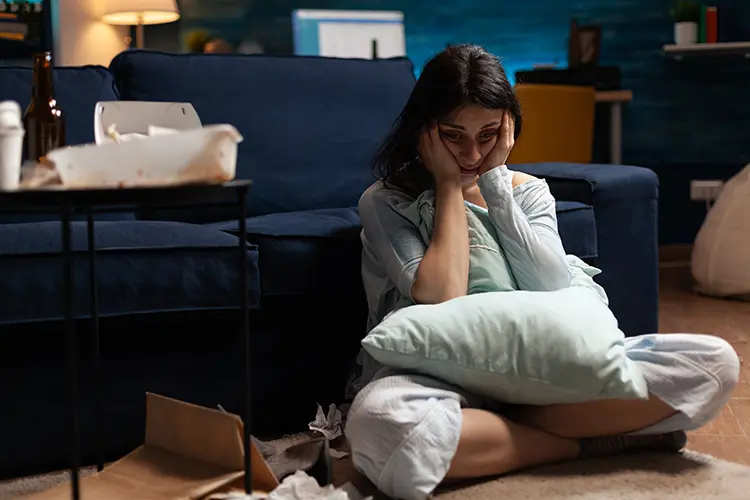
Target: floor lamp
{"type": "Point", "coordinates": [139, 13]}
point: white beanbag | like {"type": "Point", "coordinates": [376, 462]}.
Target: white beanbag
{"type": "Point", "coordinates": [721, 252]}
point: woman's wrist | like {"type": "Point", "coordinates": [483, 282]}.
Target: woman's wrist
{"type": "Point", "coordinates": [448, 185]}
{"type": "Point", "coordinates": [483, 170]}
{"type": "Point", "coordinates": [500, 172]}
{"type": "Point", "coordinates": [496, 185]}
{"type": "Point", "coordinates": [492, 169]}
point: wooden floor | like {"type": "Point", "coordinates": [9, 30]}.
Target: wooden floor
{"type": "Point", "coordinates": [681, 310]}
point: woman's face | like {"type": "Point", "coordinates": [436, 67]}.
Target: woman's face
{"type": "Point", "coordinates": [470, 133]}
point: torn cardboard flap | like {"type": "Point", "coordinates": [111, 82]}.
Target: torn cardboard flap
{"type": "Point", "coordinates": [189, 452]}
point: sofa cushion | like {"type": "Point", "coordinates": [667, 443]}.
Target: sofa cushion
{"type": "Point", "coordinates": [320, 250]}
{"type": "Point", "coordinates": [310, 124]}
{"type": "Point", "coordinates": [306, 252]}
{"type": "Point", "coordinates": [577, 227]}
{"type": "Point", "coordinates": [142, 267]}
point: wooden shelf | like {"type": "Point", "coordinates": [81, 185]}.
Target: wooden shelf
{"type": "Point", "coordinates": [708, 49]}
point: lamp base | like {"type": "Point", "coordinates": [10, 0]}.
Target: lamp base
{"type": "Point", "coordinates": [139, 35]}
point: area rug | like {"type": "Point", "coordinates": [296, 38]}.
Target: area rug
{"type": "Point", "coordinates": [686, 476]}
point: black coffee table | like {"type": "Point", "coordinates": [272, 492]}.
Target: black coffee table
{"type": "Point", "coordinates": [69, 201]}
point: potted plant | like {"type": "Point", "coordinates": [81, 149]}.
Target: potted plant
{"type": "Point", "coordinates": [686, 15]}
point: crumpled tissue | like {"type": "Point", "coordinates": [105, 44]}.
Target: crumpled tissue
{"type": "Point", "coordinates": [300, 486]}
{"type": "Point", "coordinates": [327, 424]}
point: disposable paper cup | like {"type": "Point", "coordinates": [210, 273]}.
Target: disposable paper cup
{"type": "Point", "coordinates": [11, 152]}
{"type": "Point", "coordinates": [10, 115]}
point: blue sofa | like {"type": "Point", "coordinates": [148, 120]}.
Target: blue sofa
{"type": "Point", "coordinates": [170, 320]}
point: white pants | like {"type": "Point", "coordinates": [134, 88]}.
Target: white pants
{"type": "Point", "coordinates": [403, 429]}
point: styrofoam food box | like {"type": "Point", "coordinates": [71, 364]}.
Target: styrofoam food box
{"type": "Point", "coordinates": [207, 155]}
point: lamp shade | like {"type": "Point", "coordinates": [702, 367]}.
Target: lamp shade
{"type": "Point", "coordinates": [133, 12]}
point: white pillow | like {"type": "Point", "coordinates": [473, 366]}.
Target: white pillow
{"type": "Point", "coordinates": [520, 347]}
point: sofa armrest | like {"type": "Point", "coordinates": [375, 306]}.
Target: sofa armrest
{"type": "Point", "coordinates": [592, 183]}
{"type": "Point", "coordinates": [625, 201]}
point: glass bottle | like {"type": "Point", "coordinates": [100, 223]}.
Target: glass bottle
{"type": "Point", "coordinates": [43, 120]}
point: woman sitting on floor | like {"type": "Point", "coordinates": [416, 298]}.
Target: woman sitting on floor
{"type": "Point", "coordinates": [408, 433]}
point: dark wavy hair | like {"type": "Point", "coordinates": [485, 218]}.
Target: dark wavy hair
{"type": "Point", "coordinates": [457, 76]}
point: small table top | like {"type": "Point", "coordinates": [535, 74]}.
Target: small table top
{"type": "Point", "coordinates": [57, 197]}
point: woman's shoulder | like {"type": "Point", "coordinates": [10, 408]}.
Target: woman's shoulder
{"type": "Point", "coordinates": [525, 184]}
{"type": "Point", "coordinates": [520, 178]}
{"type": "Point", "coordinates": [380, 195]}
{"type": "Point", "coordinates": [531, 193]}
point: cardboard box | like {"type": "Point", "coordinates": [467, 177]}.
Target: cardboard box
{"type": "Point", "coordinates": [189, 453]}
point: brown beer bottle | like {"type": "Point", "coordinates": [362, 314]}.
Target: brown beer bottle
{"type": "Point", "coordinates": [43, 120]}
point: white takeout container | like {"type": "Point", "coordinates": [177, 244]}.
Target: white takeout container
{"type": "Point", "coordinates": [139, 117]}
{"type": "Point", "coordinates": [204, 155]}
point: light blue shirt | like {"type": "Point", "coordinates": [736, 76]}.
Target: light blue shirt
{"type": "Point", "coordinates": [525, 223]}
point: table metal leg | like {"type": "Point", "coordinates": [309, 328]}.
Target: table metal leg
{"type": "Point", "coordinates": [615, 133]}
{"type": "Point", "coordinates": [245, 322]}
{"type": "Point", "coordinates": [72, 352]}
{"type": "Point", "coordinates": [95, 349]}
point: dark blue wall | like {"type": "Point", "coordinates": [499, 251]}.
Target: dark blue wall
{"type": "Point", "coordinates": [689, 119]}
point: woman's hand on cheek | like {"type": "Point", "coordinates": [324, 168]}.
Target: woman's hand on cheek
{"type": "Point", "coordinates": [503, 145]}
{"type": "Point", "coordinates": [436, 157]}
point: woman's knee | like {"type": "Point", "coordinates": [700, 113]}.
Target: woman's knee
{"type": "Point", "coordinates": [728, 361]}
{"type": "Point", "coordinates": [686, 358]}
{"type": "Point", "coordinates": [694, 374]}
{"type": "Point", "coordinates": [402, 436]}
{"type": "Point", "coordinates": [720, 359]}
{"type": "Point", "coordinates": [373, 428]}
{"type": "Point", "coordinates": [717, 359]}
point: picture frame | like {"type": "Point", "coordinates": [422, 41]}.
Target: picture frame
{"type": "Point", "coordinates": [584, 45]}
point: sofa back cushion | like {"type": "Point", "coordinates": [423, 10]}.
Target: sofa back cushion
{"type": "Point", "coordinates": [310, 124]}
{"type": "Point", "coordinates": [77, 90]}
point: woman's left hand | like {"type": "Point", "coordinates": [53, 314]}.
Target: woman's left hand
{"type": "Point", "coordinates": [505, 142]}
